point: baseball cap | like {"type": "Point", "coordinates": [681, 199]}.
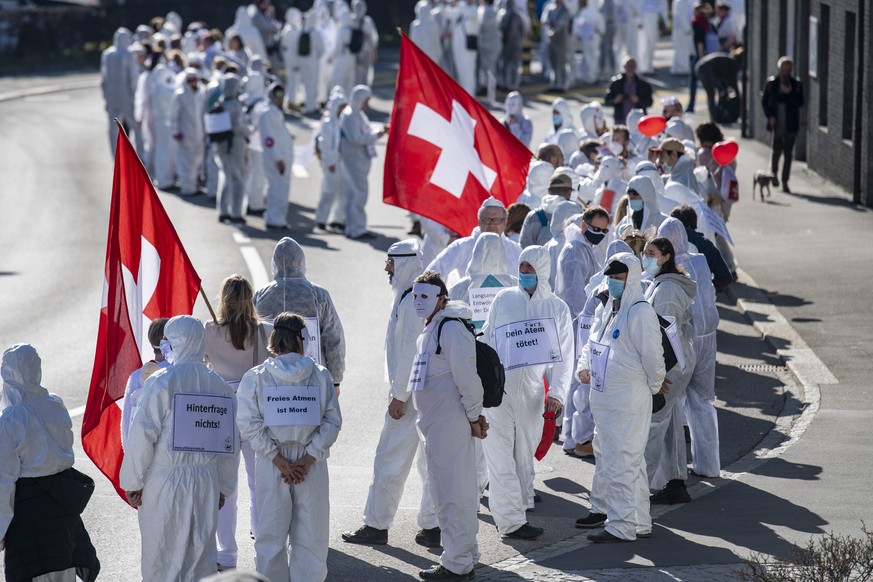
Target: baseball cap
{"type": "Point", "coordinates": [615, 267]}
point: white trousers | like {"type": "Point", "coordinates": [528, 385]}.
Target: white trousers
{"type": "Point", "coordinates": [164, 156]}
{"type": "Point", "coordinates": [666, 457]}
{"type": "Point", "coordinates": [700, 409]}
{"type": "Point", "coordinates": [299, 513]}
{"type": "Point", "coordinates": [225, 536]}
{"type": "Point", "coordinates": [278, 188]}
{"type": "Point", "coordinates": [331, 197]}
{"type": "Point", "coordinates": [256, 182]}
{"type": "Point", "coordinates": [395, 452]}
{"type": "Point", "coordinates": [648, 40]}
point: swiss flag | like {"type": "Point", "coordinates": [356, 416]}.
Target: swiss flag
{"type": "Point", "coordinates": [148, 276]}
{"type": "Point", "coordinates": [446, 153]}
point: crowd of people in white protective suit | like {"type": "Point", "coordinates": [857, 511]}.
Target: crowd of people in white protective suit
{"type": "Point", "coordinates": [596, 289]}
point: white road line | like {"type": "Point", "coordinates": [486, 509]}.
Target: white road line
{"type": "Point", "coordinates": [256, 266]}
{"type": "Point", "coordinates": [241, 239]}
{"type": "Point", "coordinates": [78, 411]}
{"type": "Point", "coordinates": [299, 171]}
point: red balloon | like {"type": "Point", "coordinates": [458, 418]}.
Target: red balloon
{"type": "Point", "coordinates": [724, 152]}
{"type": "Point", "coordinates": [651, 125]}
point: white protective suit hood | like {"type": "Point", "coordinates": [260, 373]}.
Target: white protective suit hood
{"type": "Point", "coordinates": [633, 291]}
{"type": "Point", "coordinates": [538, 177]}
{"type": "Point", "coordinates": [646, 189]}
{"type": "Point", "coordinates": [673, 230]}
{"type": "Point", "coordinates": [561, 106]}
{"type": "Point", "coordinates": [242, 17]}
{"type": "Point", "coordinates": [21, 370]}
{"type": "Point", "coordinates": [561, 213]}
{"type": "Point", "coordinates": [289, 261]}
{"type": "Point", "coordinates": [489, 256]}
{"type": "Point", "coordinates": [649, 170]}
{"type": "Point", "coordinates": [514, 103]}
{"type": "Point", "coordinates": [336, 99]}
{"type": "Point", "coordinates": [407, 264]}
{"type": "Point", "coordinates": [359, 8]}
{"type": "Point", "coordinates": [539, 259]}
{"type": "Point", "coordinates": [230, 84]}
{"type": "Point", "coordinates": [187, 339]}
{"type": "Point", "coordinates": [679, 129]}
{"type": "Point", "coordinates": [633, 120]}
{"type": "Point", "coordinates": [683, 173]}
{"type": "Point", "coordinates": [568, 141]}
{"type": "Point", "coordinates": [122, 38]}
{"type": "Point", "coordinates": [294, 18]}
{"type": "Point", "coordinates": [597, 280]}
{"type": "Point", "coordinates": [592, 118]}
{"type": "Point", "coordinates": [610, 169]}
{"type": "Point", "coordinates": [172, 21]}
{"type": "Point", "coordinates": [357, 97]}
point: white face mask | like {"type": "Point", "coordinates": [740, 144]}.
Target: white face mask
{"type": "Point", "coordinates": [615, 147]}
{"type": "Point", "coordinates": [167, 351]}
{"type": "Point", "coordinates": [424, 299]}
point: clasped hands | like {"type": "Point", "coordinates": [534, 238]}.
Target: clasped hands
{"type": "Point", "coordinates": [294, 473]}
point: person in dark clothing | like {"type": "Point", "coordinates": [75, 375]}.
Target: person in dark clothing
{"type": "Point", "coordinates": [705, 42]}
{"type": "Point", "coordinates": [721, 273]}
{"type": "Point", "coordinates": [782, 100]}
{"type": "Point", "coordinates": [628, 91]}
{"type": "Point", "coordinates": [717, 72]}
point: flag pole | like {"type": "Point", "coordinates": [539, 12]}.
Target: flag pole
{"type": "Point", "coordinates": [208, 305]}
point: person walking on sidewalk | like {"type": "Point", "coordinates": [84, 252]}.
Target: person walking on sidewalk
{"type": "Point", "coordinates": [782, 100]}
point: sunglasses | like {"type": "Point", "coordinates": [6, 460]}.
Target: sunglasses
{"type": "Point", "coordinates": [596, 228]}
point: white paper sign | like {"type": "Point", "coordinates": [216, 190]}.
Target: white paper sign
{"type": "Point", "coordinates": [481, 299]}
{"type": "Point", "coordinates": [528, 343]}
{"type": "Point", "coordinates": [292, 406]}
{"type": "Point", "coordinates": [583, 330]}
{"type": "Point", "coordinates": [672, 332]}
{"type": "Point", "coordinates": [419, 371]}
{"type": "Point", "coordinates": [312, 345]}
{"type": "Point", "coordinates": [599, 358]}
{"type": "Point", "coordinates": [203, 423]}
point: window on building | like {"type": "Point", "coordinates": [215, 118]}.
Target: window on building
{"type": "Point", "coordinates": [824, 45]}
{"type": "Point", "coordinates": [849, 77]}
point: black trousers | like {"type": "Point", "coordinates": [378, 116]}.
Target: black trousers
{"type": "Point", "coordinates": [783, 143]}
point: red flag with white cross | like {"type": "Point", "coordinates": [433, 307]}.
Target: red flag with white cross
{"type": "Point", "coordinates": [147, 276]}
{"type": "Point", "coordinates": [446, 152]}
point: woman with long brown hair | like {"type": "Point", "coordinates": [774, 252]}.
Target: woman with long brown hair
{"type": "Point", "coordinates": [236, 343]}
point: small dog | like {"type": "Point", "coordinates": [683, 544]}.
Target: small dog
{"type": "Point", "coordinates": [763, 180]}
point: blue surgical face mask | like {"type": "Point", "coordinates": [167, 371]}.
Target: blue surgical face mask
{"type": "Point", "coordinates": [651, 266]}
{"type": "Point", "coordinates": [167, 351]}
{"type": "Point", "coordinates": [616, 288]}
{"type": "Point", "coordinates": [594, 237]}
{"type": "Point", "coordinates": [635, 205]}
{"type": "Point", "coordinates": [557, 120]}
{"type": "Point", "coordinates": [527, 280]}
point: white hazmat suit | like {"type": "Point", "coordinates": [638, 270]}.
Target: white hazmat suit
{"type": "Point", "coordinates": [357, 148]}
{"type": "Point", "coordinates": [331, 205]}
{"type": "Point", "coordinates": [631, 361]}
{"type": "Point", "coordinates": [187, 128]}
{"type": "Point", "coordinates": [278, 154]}
{"type": "Point", "coordinates": [181, 488]}
{"type": "Point", "coordinates": [118, 76]}
{"type": "Point", "coordinates": [517, 424]}
{"type": "Point", "coordinates": [452, 263]}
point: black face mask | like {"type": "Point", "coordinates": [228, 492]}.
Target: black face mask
{"type": "Point", "coordinates": [594, 237]}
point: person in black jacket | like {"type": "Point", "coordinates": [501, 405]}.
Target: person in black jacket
{"type": "Point", "coordinates": [721, 273]}
{"type": "Point", "coordinates": [782, 100]}
{"type": "Point", "coordinates": [628, 91]}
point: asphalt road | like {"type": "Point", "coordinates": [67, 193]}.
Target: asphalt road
{"type": "Point", "coordinates": [54, 199]}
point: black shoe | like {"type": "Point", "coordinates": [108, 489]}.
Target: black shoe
{"type": "Point", "coordinates": [321, 226]}
{"type": "Point", "coordinates": [278, 227]}
{"type": "Point", "coordinates": [224, 218]}
{"type": "Point", "coordinates": [237, 220]}
{"type": "Point", "coordinates": [255, 212]}
{"type": "Point", "coordinates": [675, 492]}
{"type": "Point", "coordinates": [367, 535]}
{"type": "Point", "coordinates": [785, 188]}
{"type": "Point", "coordinates": [591, 521]}
{"type": "Point", "coordinates": [526, 532]}
{"type": "Point", "coordinates": [338, 226]}
{"type": "Point", "coordinates": [364, 236]}
{"type": "Point", "coordinates": [440, 573]}
{"type": "Point", "coordinates": [429, 538]}
{"type": "Point", "coordinates": [775, 179]}
{"type": "Point", "coordinates": [605, 537]}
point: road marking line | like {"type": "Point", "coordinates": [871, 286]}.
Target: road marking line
{"type": "Point", "coordinates": [256, 266]}
{"type": "Point", "coordinates": [241, 239]}
{"type": "Point", "coordinates": [78, 411]}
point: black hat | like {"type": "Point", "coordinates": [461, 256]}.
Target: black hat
{"type": "Point", "coordinates": [615, 267]}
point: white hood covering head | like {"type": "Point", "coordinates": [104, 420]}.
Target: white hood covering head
{"type": "Point", "coordinates": [289, 261]}
{"type": "Point", "coordinates": [646, 189]}
{"type": "Point", "coordinates": [122, 38]}
{"type": "Point", "coordinates": [359, 7]}
{"type": "Point", "coordinates": [648, 169]}
{"type": "Point", "coordinates": [679, 129]}
{"type": "Point", "coordinates": [21, 370]}
{"type": "Point", "coordinates": [683, 173]}
{"type": "Point", "coordinates": [561, 213]}
{"type": "Point", "coordinates": [568, 141]}
{"type": "Point", "coordinates": [633, 291]}
{"type": "Point", "coordinates": [407, 263]}
{"type": "Point", "coordinates": [242, 17]}
{"type": "Point", "coordinates": [610, 168]}
{"type": "Point", "coordinates": [294, 18]}
{"type": "Point", "coordinates": [673, 230]}
{"type": "Point", "coordinates": [357, 97]}
{"type": "Point", "coordinates": [489, 256]}
{"type": "Point", "coordinates": [187, 339]}
{"type": "Point", "coordinates": [592, 118]}
{"type": "Point", "coordinates": [336, 99]}
{"type": "Point", "coordinates": [514, 103]}
{"type": "Point", "coordinates": [172, 21]}
{"type": "Point", "coordinates": [633, 120]}
{"type": "Point", "coordinates": [538, 177]}
{"type": "Point", "coordinates": [539, 259]}
{"type": "Point", "coordinates": [561, 106]}
{"type": "Point", "coordinates": [230, 85]}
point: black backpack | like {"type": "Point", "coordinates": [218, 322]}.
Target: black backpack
{"type": "Point", "coordinates": [488, 365]}
{"type": "Point", "coordinates": [357, 41]}
{"type": "Point", "coordinates": [304, 44]}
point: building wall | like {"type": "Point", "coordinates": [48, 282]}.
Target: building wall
{"type": "Point", "coordinates": [828, 134]}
